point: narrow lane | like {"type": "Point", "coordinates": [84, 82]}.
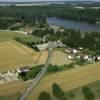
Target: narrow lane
{"type": "Point", "coordinates": [40, 74]}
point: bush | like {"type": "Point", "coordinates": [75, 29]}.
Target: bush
{"type": "Point", "coordinates": [58, 92]}
{"type": "Point", "coordinates": [88, 93]}
{"type": "Point", "coordinates": [72, 95]}
{"type": "Point", "coordinates": [53, 68]}
{"type": "Point", "coordinates": [44, 96]}
{"type": "Point", "coordinates": [65, 66]}
{"type": "Point", "coordinates": [31, 73]}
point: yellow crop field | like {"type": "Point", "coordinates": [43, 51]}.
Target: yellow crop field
{"type": "Point", "coordinates": [68, 80]}
{"type": "Point", "coordinates": [12, 90]}
{"type": "Point", "coordinates": [14, 55]}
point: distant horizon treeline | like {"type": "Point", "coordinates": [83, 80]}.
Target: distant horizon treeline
{"type": "Point", "coordinates": [10, 16]}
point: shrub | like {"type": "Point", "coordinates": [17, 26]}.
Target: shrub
{"type": "Point", "coordinates": [44, 96]}
{"type": "Point", "coordinates": [88, 93]}
{"type": "Point", "coordinates": [31, 73]}
{"type": "Point", "coordinates": [72, 95]}
{"type": "Point", "coordinates": [58, 92]}
{"type": "Point", "coordinates": [53, 68]}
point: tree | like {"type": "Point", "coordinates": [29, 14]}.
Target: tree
{"type": "Point", "coordinates": [44, 96]}
{"type": "Point", "coordinates": [58, 92]}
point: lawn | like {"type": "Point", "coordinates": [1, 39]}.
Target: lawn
{"type": "Point", "coordinates": [68, 80]}
{"type": "Point", "coordinates": [60, 58]}
{"type": "Point", "coordinates": [15, 55]}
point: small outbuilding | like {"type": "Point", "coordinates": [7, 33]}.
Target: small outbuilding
{"type": "Point", "coordinates": [42, 47]}
{"type": "Point", "coordinates": [23, 69]}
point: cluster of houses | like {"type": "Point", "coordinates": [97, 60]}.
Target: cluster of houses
{"type": "Point", "coordinates": [13, 74]}
{"type": "Point", "coordinates": [8, 76]}
{"type": "Point", "coordinates": [78, 54]}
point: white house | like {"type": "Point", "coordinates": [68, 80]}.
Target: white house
{"type": "Point", "coordinates": [86, 57]}
{"type": "Point", "coordinates": [75, 51]}
{"type": "Point", "coordinates": [23, 69]}
{"type": "Point", "coordinates": [70, 57]}
{"type": "Point", "coordinates": [98, 58]}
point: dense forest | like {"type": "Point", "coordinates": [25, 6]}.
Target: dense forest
{"type": "Point", "coordinates": [14, 17]}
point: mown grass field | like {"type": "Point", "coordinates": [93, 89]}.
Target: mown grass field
{"type": "Point", "coordinates": [14, 55]}
{"type": "Point", "coordinates": [12, 90]}
{"type": "Point", "coordinates": [68, 80]}
{"type": "Point", "coordinates": [60, 58]}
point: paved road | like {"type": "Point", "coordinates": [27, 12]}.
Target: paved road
{"type": "Point", "coordinates": [40, 74]}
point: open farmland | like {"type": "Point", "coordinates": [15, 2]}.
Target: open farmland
{"type": "Point", "coordinates": [12, 90]}
{"type": "Point", "coordinates": [60, 58]}
{"type": "Point", "coordinates": [14, 55]}
{"type": "Point", "coordinates": [69, 79]}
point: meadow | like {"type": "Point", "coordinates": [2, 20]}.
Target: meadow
{"type": "Point", "coordinates": [8, 35]}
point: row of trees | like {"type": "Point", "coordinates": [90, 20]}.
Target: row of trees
{"type": "Point", "coordinates": [60, 95]}
{"type": "Point", "coordinates": [29, 40]}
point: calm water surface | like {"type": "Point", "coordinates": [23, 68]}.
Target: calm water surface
{"type": "Point", "coordinates": [68, 24]}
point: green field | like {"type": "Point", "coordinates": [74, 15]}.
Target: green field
{"type": "Point", "coordinates": [8, 35]}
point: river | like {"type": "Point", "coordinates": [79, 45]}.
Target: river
{"type": "Point", "coordinates": [69, 24]}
